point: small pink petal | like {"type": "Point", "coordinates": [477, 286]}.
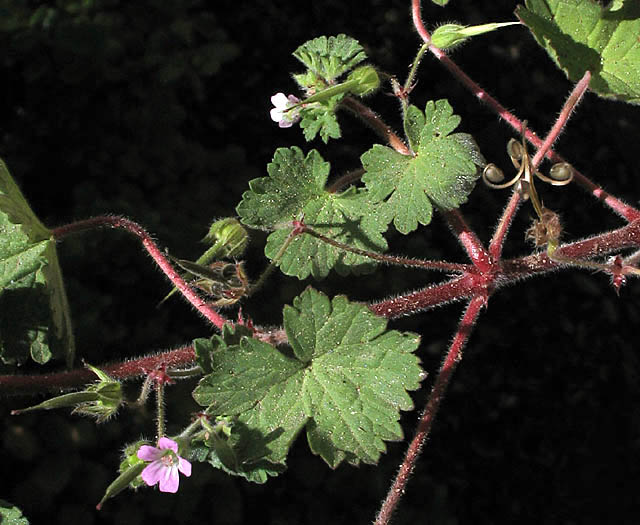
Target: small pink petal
{"type": "Point", "coordinates": [165, 443]}
{"type": "Point", "coordinates": [170, 480]}
{"type": "Point", "coordinates": [184, 466]}
{"type": "Point", "coordinates": [147, 453]}
{"type": "Point", "coordinates": [153, 472]}
{"type": "Point", "coordinates": [285, 123]}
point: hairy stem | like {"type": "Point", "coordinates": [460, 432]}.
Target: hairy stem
{"type": "Point", "coordinates": [345, 180]}
{"type": "Point", "coordinates": [133, 368]}
{"type": "Point", "coordinates": [569, 106]}
{"type": "Point", "coordinates": [468, 285]}
{"type": "Point", "coordinates": [454, 355]}
{"type": "Point", "coordinates": [114, 221]}
{"type": "Point", "coordinates": [160, 417]}
{"type": "Point", "coordinates": [469, 240]}
{"type": "Point", "coordinates": [391, 259]}
{"type": "Point", "coordinates": [376, 123]}
{"type": "Point", "coordinates": [497, 241]}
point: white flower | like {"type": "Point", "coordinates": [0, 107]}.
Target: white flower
{"type": "Point", "coordinates": [279, 113]}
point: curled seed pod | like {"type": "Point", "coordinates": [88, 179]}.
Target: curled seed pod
{"type": "Point", "coordinates": [515, 149]}
{"type": "Point", "coordinates": [492, 174]}
{"type": "Point", "coordinates": [562, 171]}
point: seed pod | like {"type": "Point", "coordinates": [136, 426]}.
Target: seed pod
{"type": "Point", "coordinates": [66, 400]}
{"type": "Point", "coordinates": [122, 482]}
{"type": "Point", "coordinates": [492, 174]}
{"type": "Point", "coordinates": [515, 149]}
{"type": "Point", "coordinates": [561, 171]}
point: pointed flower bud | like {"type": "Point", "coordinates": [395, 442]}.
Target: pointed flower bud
{"type": "Point", "coordinates": [448, 36]}
{"type": "Point", "coordinates": [229, 238]}
{"type": "Point", "coordinates": [365, 80]}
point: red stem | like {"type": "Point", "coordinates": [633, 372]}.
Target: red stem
{"type": "Point", "coordinates": [407, 262]}
{"type": "Point", "coordinates": [454, 355]}
{"type": "Point", "coordinates": [499, 236]}
{"type": "Point", "coordinates": [377, 124]}
{"type": "Point", "coordinates": [569, 106]}
{"type": "Point", "coordinates": [470, 284]}
{"type": "Point", "coordinates": [114, 221]}
{"type": "Point", "coordinates": [469, 240]}
{"type": "Point", "coordinates": [31, 384]}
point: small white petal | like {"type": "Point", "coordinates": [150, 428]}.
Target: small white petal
{"type": "Point", "coordinates": [279, 100]}
{"type": "Point", "coordinates": [276, 114]}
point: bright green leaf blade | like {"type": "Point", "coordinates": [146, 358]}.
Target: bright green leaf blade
{"type": "Point", "coordinates": [328, 58]}
{"type": "Point", "coordinates": [346, 381]}
{"type": "Point", "coordinates": [320, 118]}
{"type": "Point", "coordinates": [34, 312]}
{"type": "Point", "coordinates": [413, 124]}
{"type": "Point", "coordinates": [581, 35]}
{"type": "Point", "coordinates": [11, 515]}
{"type": "Point", "coordinates": [293, 181]}
{"type": "Point", "coordinates": [294, 190]}
{"type": "Point", "coordinates": [441, 3]}
{"type": "Point", "coordinates": [443, 171]}
{"type": "Point", "coordinates": [261, 384]}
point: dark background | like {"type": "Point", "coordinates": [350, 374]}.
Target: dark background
{"type": "Point", "coordinates": [158, 110]}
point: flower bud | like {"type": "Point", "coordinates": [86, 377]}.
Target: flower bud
{"type": "Point", "coordinates": [448, 36]}
{"type": "Point", "coordinates": [366, 80]}
{"type": "Point", "coordinates": [228, 236]}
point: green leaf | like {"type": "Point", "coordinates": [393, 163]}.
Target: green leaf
{"type": "Point", "coordinates": [11, 515]}
{"type": "Point", "coordinates": [204, 348]}
{"type": "Point", "coordinates": [345, 380]}
{"type": "Point", "coordinates": [34, 312]}
{"type": "Point", "coordinates": [582, 35]}
{"type": "Point", "coordinates": [328, 58]}
{"type": "Point", "coordinates": [441, 3]}
{"type": "Point", "coordinates": [320, 117]}
{"type": "Point", "coordinates": [442, 172]}
{"type": "Point", "coordinates": [295, 188]}
{"type": "Point", "coordinates": [238, 450]}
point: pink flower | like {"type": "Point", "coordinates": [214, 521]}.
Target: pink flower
{"type": "Point", "coordinates": [279, 113]}
{"type": "Point", "coordinates": [164, 466]}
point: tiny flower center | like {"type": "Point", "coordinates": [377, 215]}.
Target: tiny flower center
{"type": "Point", "coordinates": [169, 460]}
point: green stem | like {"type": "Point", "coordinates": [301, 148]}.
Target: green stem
{"type": "Point", "coordinates": [160, 409]}
{"type": "Point", "coordinates": [194, 371]}
{"type": "Point", "coordinates": [272, 265]}
{"type": "Point", "coordinates": [414, 67]}
{"type": "Point", "coordinates": [186, 433]}
{"type": "Point", "coordinates": [327, 93]}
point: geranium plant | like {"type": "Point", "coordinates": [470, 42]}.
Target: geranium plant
{"type": "Point", "coordinates": [336, 371]}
